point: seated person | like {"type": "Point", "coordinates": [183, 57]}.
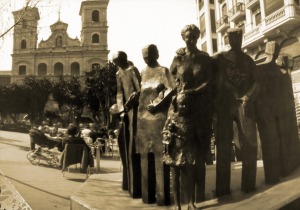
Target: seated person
{"type": "Point", "coordinates": [72, 137]}
{"type": "Point", "coordinates": [54, 130]}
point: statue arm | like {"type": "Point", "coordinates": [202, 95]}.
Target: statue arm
{"type": "Point", "coordinates": [135, 80]}
{"type": "Point", "coordinates": [120, 96]}
{"type": "Point", "coordinates": [171, 83]}
{"type": "Point", "coordinates": [204, 84]}
{"type": "Point", "coordinates": [254, 89]}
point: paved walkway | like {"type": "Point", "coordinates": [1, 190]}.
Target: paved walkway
{"type": "Point", "coordinates": [9, 196]}
{"type": "Point", "coordinates": [43, 187]}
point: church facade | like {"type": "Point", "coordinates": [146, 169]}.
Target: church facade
{"type": "Point", "coordinates": [60, 54]}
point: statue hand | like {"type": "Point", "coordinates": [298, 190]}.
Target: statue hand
{"type": "Point", "coordinates": [151, 108]}
{"type": "Point", "coordinates": [243, 100]}
{"type": "Point", "coordinates": [188, 92]}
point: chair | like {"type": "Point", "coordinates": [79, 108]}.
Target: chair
{"type": "Point", "coordinates": [77, 153]}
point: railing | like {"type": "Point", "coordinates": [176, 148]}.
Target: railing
{"type": "Point", "coordinates": [251, 2]}
{"type": "Point", "coordinates": [239, 7]}
{"type": "Point", "coordinates": [252, 33]}
{"type": "Point", "coordinates": [223, 20]}
{"type": "Point", "coordinates": [275, 16]}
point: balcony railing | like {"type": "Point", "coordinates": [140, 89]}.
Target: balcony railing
{"type": "Point", "coordinates": [275, 16]}
{"type": "Point", "coordinates": [249, 4]}
{"type": "Point", "coordinates": [222, 23]}
{"type": "Point", "coordinates": [252, 34]}
{"type": "Point", "coordinates": [237, 11]}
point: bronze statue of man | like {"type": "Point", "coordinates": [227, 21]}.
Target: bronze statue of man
{"type": "Point", "coordinates": [128, 88]}
{"type": "Point", "coordinates": [235, 92]}
{"type": "Point", "coordinates": [156, 86]}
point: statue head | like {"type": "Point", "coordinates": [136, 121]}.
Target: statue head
{"type": "Point", "coordinates": [150, 55]}
{"type": "Point", "coordinates": [235, 37]}
{"type": "Point", "coordinates": [190, 34]}
{"type": "Point", "coordinates": [120, 59]}
{"type": "Point", "coordinates": [272, 49]}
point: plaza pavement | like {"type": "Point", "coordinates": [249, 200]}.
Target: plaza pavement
{"type": "Point", "coordinates": [45, 188]}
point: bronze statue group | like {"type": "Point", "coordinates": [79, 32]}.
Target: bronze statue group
{"type": "Point", "coordinates": [167, 119]}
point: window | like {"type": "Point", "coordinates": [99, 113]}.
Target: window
{"type": "Point", "coordinates": [24, 23]}
{"type": "Point", "coordinates": [202, 25]}
{"type": "Point", "coordinates": [95, 38]}
{"type": "Point", "coordinates": [211, 1]}
{"type": "Point", "coordinates": [241, 25]}
{"type": "Point", "coordinates": [296, 2]}
{"type": "Point", "coordinates": [224, 10]}
{"type": "Point", "coordinates": [95, 66]}
{"type": "Point", "coordinates": [215, 45]}
{"type": "Point", "coordinates": [23, 44]}
{"type": "Point", "coordinates": [226, 40]}
{"type": "Point", "coordinates": [22, 70]}
{"type": "Point", "coordinates": [75, 68]}
{"type": "Point", "coordinates": [272, 6]}
{"type": "Point", "coordinates": [201, 4]}
{"type": "Point", "coordinates": [95, 16]}
{"type": "Point", "coordinates": [42, 69]}
{"type": "Point", "coordinates": [213, 20]}
{"type": "Point", "coordinates": [58, 69]}
{"type": "Point", "coordinates": [204, 47]}
{"type": "Point", "coordinates": [59, 41]}
{"type": "Point", "coordinates": [256, 17]}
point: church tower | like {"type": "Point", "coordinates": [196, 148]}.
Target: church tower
{"type": "Point", "coordinates": [24, 40]}
{"type": "Point", "coordinates": [94, 31]}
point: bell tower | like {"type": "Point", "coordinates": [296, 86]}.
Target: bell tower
{"type": "Point", "coordinates": [94, 32]}
{"type": "Point", "coordinates": [25, 40]}
{"type": "Point", "coordinates": [25, 31]}
{"type": "Point", "coordinates": [94, 24]}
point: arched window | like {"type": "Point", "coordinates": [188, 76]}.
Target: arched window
{"type": "Point", "coordinates": [42, 69]}
{"type": "Point", "coordinates": [95, 16]}
{"type": "Point", "coordinates": [22, 70]}
{"type": "Point", "coordinates": [95, 38]}
{"type": "Point", "coordinates": [59, 41]}
{"type": "Point", "coordinates": [58, 69]}
{"type": "Point", "coordinates": [75, 68]}
{"type": "Point", "coordinates": [23, 44]}
{"type": "Point", "coordinates": [95, 66]}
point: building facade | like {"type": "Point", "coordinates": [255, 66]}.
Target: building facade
{"type": "Point", "coordinates": [206, 20]}
{"type": "Point", "coordinates": [60, 54]}
{"type": "Point", "coordinates": [261, 21]}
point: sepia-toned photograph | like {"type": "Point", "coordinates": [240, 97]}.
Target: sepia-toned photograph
{"type": "Point", "coordinates": [149, 104]}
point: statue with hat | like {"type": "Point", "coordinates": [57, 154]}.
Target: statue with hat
{"type": "Point", "coordinates": [235, 92]}
{"type": "Point", "coordinates": [156, 90]}
{"type": "Point", "coordinates": [128, 89]}
{"type": "Point", "coordinates": [276, 116]}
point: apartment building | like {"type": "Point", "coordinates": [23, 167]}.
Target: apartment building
{"type": "Point", "coordinates": [261, 21]}
{"type": "Point", "coordinates": [207, 24]}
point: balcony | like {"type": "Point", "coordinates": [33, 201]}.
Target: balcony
{"type": "Point", "coordinates": [249, 4]}
{"type": "Point", "coordinates": [286, 18]}
{"type": "Point", "coordinates": [222, 24]}
{"type": "Point", "coordinates": [237, 12]}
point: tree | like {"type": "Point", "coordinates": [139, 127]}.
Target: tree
{"type": "Point", "coordinates": [101, 90]}
{"type": "Point", "coordinates": [38, 91]}
{"type": "Point", "coordinates": [14, 101]}
{"type": "Point", "coordinates": [70, 98]}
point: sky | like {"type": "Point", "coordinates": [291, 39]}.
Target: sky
{"type": "Point", "coordinates": [133, 24]}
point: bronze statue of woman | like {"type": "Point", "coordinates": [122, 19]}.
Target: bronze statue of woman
{"type": "Point", "coordinates": [189, 119]}
{"type": "Point", "coordinates": [156, 86]}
